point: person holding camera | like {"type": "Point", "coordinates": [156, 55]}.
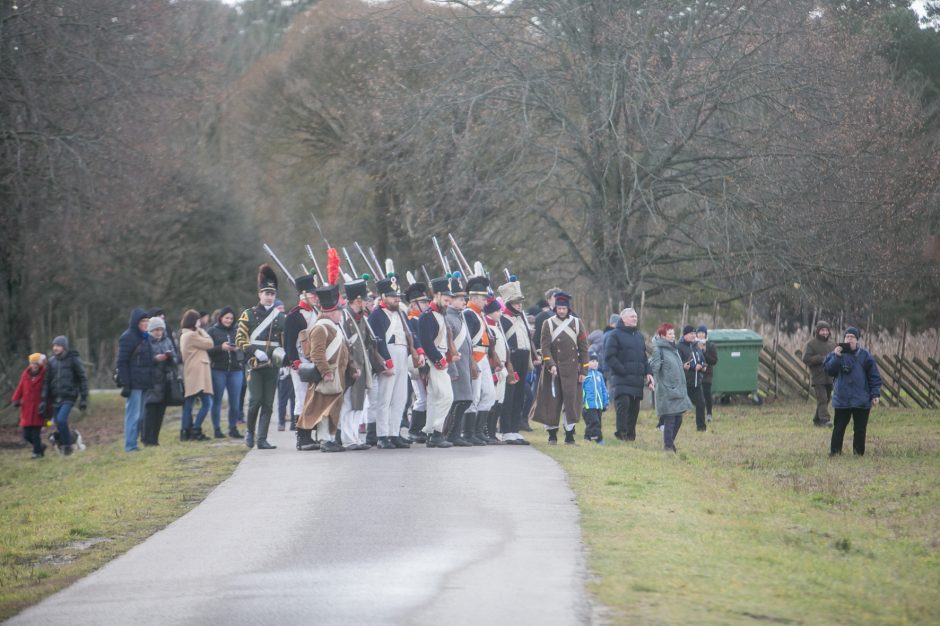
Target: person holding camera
{"type": "Point", "coordinates": [693, 361]}
{"type": "Point", "coordinates": [195, 344]}
{"type": "Point", "coordinates": [135, 374]}
{"type": "Point", "coordinates": [165, 375]}
{"type": "Point", "coordinates": [228, 372]}
{"type": "Point", "coordinates": [857, 388]}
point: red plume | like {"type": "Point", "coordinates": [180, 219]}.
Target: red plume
{"type": "Point", "coordinates": [332, 266]}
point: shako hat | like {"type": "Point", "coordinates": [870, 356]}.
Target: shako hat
{"type": "Point", "coordinates": [478, 286]}
{"type": "Point", "coordinates": [329, 297]}
{"type": "Point", "coordinates": [306, 282]}
{"type": "Point", "coordinates": [456, 285]}
{"type": "Point", "coordinates": [511, 291]}
{"type": "Point", "coordinates": [416, 290]}
{"type": "Point", "coordinates": [358, 288]}
{"type": "Point", "coordinates": [267, 279]}
{"type": "Point", "coordinates": [492, 305]}
{"type": "Point", "coordinates": [562, 299]}
{"type": "Point", "coordinates": [441, 285]}
{"type": "Point", "coordinates": [388, 286]}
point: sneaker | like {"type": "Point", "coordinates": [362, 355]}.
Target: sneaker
{"type": "Point", "coordinates": [281, 427]}
{"type": "Point", "coordinates": [662, 429]}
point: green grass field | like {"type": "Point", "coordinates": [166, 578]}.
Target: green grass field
{"type": "Point", "coordinates": [63, 517]}
{"type": "Point", "coordinates": [752, 522]}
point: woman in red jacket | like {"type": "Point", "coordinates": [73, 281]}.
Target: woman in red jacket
{"type": "Point", "coordinates": [28, 396]}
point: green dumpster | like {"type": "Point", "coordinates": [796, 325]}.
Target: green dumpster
{"type": "Point", "coordinates": [738, 360]}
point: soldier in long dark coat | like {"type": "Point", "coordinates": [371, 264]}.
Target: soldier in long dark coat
{"type": "Point", "coordinates": [564, 365]}
{"type": "Point", "coordinates": [463, 370]}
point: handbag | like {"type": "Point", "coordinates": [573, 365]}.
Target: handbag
{"type": "Point", "coordinates": [174, 389]}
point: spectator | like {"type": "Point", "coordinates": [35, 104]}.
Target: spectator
{"type": "Point", "coordinates": [158, 312]}
{"type": "Point", "coordinates": [693, 360]}
{"type": "Point", "coordinates": [164, 377]}
{"type": "Point", "coordinates": [195, 344]}
{"type": "Point", "coordinates": [711, 360]}
{"type": "Point", "coordinates": [672, 398]}
{"type": "Point", "coordinates": [64, 384]}
{"type": "Point", "coordinates": [596, 344]}
{"type": "Point", "coordinates": [594, 391]}
{"type": "Point", "coordinates": [548, 310]}
{"type": "Point", "coordinates": [628, 371]}
{"type": "Point", "coordinates": [857, 388]}
{"type": "Point", "coordinates": [28, 397]}
{"type": "Point", "coordinates": [135, 374]}
{"type": "Point", "coordinates": [814, 355]}
{"type": "Point", "coordinates": [228, 372]}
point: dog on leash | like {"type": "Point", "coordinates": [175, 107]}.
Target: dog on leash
{"type": "Point", "coordinates": [55, 440]}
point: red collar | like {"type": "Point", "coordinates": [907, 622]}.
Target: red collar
{"type": "Point", "coordinates": [306, 307]}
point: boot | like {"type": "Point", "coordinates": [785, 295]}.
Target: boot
{"type": "Point", "coordinates": [553, 437]}
{"type": "Point", "coordinates": [293, 422]}
{"type": "Point", "coordinates": [305, 440]}
{"type": "Point", "coordinates": [218, 434]}
{"type": "Point", "coordinates": [264, 422]}
{"type": "Point", "coordinates": [468, 426]}
{"type": "Point", "coordinates": [185, 434]}
{"type": "Point", "coordinates": [372, 437]}
{"type": "Point", "coordinates": [457, 428]}
{"type": "Point", "coordinates": [436, 440]}
{"type": "Point", "coordinates": [249, 439]}
{"type": "Point", "coordinates": [480, 427]}
{"type": "Point", "coordinates": [400, 442]}
{"type": "Point", "coordinates": [331, 446]}
{"type": "Point", "coordinates": [569, 438]}
{"type": "Point", "coordinates": [234, 434]}
{"type": "Point", "coordinates": [419, 420]}
{"type": "Point", "coordinates": [385, 443]}
{"type": "Point", "coordinates": [491, 421]}
{"type": "Point", "coordinates": [196, 435]}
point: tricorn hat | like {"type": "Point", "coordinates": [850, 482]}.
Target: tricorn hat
{"type": "Point", "coordinates": [511, 291]}
{"type": "Point", "coordinates": [478, 286]}
{"type": "Point", "coordinates": [267, 279]}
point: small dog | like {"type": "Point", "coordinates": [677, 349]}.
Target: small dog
{"type": "Point", "coordinates": [56, 441]}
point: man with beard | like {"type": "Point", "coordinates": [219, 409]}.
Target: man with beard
{"type": "Point", "coordinates": [564, 365]}
{"type": "Point", "coordinates": [814, 355]}
{"type": "Point", "coordinates": [521, 355]}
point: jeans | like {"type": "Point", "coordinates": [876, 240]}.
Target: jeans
{"type": "Point", "coordinates": [232, 382]}
{"type": "Point", "coordinates": [205, 403]}
{"type": "Point", "coordinates": [842, 417]}
{"type": "Point", "coordinates": [628, 409]}
{"type": "Point", "coordinates": [671, 425]}
{"type": "Point", "coordinates": [133, 410]}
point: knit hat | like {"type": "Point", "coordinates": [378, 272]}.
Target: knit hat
{"type": "Point", "coordinates": [155, 323]}
{"type": "Point", "coordinates": [852, 330]}
{"type": "Point", "coordinates": [61, 340]}
{"type": "Point", "coordinates": [702, 329]}
{"type": "Point", "coordinates": [35, 357]}
{"type": "Point", "coordinates": [688, 328]}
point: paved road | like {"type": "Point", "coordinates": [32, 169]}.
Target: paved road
{"type": "Point", "coordinates": [460, 536]}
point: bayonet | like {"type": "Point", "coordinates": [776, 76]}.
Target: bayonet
{"type": "Point", "coordinates": [283, 267]}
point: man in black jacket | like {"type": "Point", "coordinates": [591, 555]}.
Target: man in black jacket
{"type": "Point", "coordinates": [65, 383]}
{"type": "Point", "coordinates": [628, 371]}
{"type": "Point", "coordinates": [135, 373]}
{"type": "Point", "coordinates": [693, 361]}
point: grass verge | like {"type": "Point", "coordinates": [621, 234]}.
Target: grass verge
{"type": "Point", "coordinates": [63, 517]}
{"type": "Point", "coordinates": [752, 521]}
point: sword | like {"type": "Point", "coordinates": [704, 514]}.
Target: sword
{"type": "Point", "coordinates": [283, 267]}
{"type": "Point", "coordinates": [553, 385]}
{"type": "Point", "coordinates": [316, 265]}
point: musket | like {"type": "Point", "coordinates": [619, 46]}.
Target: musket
{"type": "Point", "coordinates": [508, 275]}
{"type": "Point", "coordinates": [424, 270]}
{"type": "Point", "coordinates": [316, 265]}
{"type": "Point", "coordinates": [366, 259]}
{"type": "Point", "coordinates": [460, 257]}
{"type": "Point", "coordinates": [377, 264]}
{"type": "Point", "coordinates": [322, 236]}
{"type": "Point", "coordinates": [283, 267]}
{"type": "Point", "coordinates": [463, 270]}
{"type": "Point", "coordinates": [351, 266]}
{"type": "Point", "coordinates": [440, 255]}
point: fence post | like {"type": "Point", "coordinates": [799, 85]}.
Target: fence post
{"type": "Point", "coordinates": [776, 338]}
{"type": "Point", "coordinates": [899, 369]}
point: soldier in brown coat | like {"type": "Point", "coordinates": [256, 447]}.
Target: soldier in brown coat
{"type": "Point", "coordinates": [813, 356]}
{"type": "Point", "coordinates": [564, 364]}
{"type": "Point", "coordinates": [328, 350]}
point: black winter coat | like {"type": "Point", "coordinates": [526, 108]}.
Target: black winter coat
{"type": "Point", "coordinates": [219, 359]}
{"type": "Point", "coordinates": [626, 361]}
{"type": "Point", "coordinates": [135, 358]}
{"type": "Point", "coordinates": [65, 381]}
{"type": "Point", "coordinates": [692, 354]}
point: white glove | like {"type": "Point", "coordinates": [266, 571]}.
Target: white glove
{"type": "Point", "coordinates": [261, 355]}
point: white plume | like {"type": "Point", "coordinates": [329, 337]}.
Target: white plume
{"type": "Point", "coordinates": [389, 267]}
{"type": "Point", "coordinates": [410, 277]}
{"type": "Point", "coordinates": [478, 269]}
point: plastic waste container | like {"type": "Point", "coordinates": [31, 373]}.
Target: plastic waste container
{"type": "Point", "coordinates": [738, 362]}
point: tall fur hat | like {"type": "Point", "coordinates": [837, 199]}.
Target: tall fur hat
{"type": "Point", "coordinates": [511, 291]}
{"type": "Point", "coordinates": [267, 279]}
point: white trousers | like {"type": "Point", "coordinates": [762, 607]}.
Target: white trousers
{"type": "Point", "coordinates": [373, 400]}
{"type": "Point", "coordinates": [483, 389]}
{"type": "Point", "coordinates": [393, 394]}
{"type": "Point", "coordinates": [440, 397]}
{"type": "Point", "coordinates": [501, 385]}
{"type": "Point", "coordinates": [421, 393]}
{"type": "Point", "coordinates": [349, 421]}
{"type": "Point", "coordinates": [300, 392]}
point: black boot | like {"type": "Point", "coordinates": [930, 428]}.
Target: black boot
{"type": "Point", "coordinates": [400, 442]}
{"type": "Point", "coordinates": [331, 445]}
{"type": "Point", "coordinates": [491, 420]}
{"type": "Point", "coordinates": [437, 440]}
{"type": "Point", "coordinates": [372, 438]}
{"type": "Point", "coordinates": [185, 434]}
{"type": "Point", "coordinates": [249, 439]}
{"type": "Point", "coordinates": [293, 422]}
{"type": "Point", "coordinates": [469, 429]}
{"type": "Point", "coordinates": [553, 436]}
{"type": "Point", "coordinates": [457, 428]}
{"type": "Point", "coordinates": [305, 440]}
{"type": "Point", "coordinates": [385, 443]}
{"type": "Point", "coordinates": [479, 432]}
{"type": "Point", "coordinates": [218, 434]}
{"type": "Point", "coordinates": [419, 420]}
{"type": "Point", "coordinates": [569, 438]}
{"type": "Point", "coordinates": [196, 435]}
{"type": "Point", "coordinates": [233, 433]}
{"type": "Point", "coordinates": [264, 422]}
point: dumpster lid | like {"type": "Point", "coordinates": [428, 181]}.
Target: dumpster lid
{"type": "Point", "coordinates": [744, 335]}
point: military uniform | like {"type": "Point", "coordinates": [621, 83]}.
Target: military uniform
{"type": "Point", "coordinates": [363, 353]}
{"type": "Point", "coordinates": [481, 342]}
{"type": "Point", "coordinates": [261, 335]}
{"type": "Point", "coordinates": [519, 343]}
{"type": "Point", "coordinates": [436, 343]}
{"type": "Point", "coordinates": [296, 323]}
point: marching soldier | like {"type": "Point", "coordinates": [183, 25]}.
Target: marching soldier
{"type": "Point", "coordinates": [296, 323]}
{"type": "Point", "coordinates": [363, 353]}
{"type": "Point", "coordinates": [503, 374]}
{"type": "Point", "coordinates": [260, 335]}
{"type": "Point", "coordinates": [434, 337]}
{"type": "Point", "coordinates": [328, 350]}
{"type": "Point", "coordinates": [520, 346]}
{"type": "Point", "coordinates": [481, 342]}
{"type": "Point", "coordinates": [416, 295]}
{"type": "Point", "coordinates": [564, 365]}
{"type": "Point", "coordinates": [463, 370]}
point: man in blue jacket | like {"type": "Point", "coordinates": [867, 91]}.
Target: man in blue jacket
{"type": "Point", "coordinates": [628, 372]}
{"type": "Point", "coordinates": [856, 389]}
{"type": "Point", "coordinates": [135, 374]}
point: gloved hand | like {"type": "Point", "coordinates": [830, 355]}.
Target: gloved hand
{"type": "Point", "coordinates": [83, 405]}
{"type": "Point", "coordinates": [296, 364]}
{"type": "Point", "coordinates": [261, 356]}
{"type": "Point", "coordinates": [496, 378]}
{"type": "Point", "coordinates": [17, 403]}
{"type": "Point", "coordinates": [125, 392]}
{"type": "Point", "coordinates": [389, 364]}
{"type": "Point", "coordinates": [515, 377]}
{"type": "Point", "coordinates": [442, 364]}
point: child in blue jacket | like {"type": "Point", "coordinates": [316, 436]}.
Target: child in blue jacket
{"type": "Point", "coordinates": [596, 401]}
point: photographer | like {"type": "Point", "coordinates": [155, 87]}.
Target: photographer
{"type": "Point", "coordinates": [857, 388]}
{"type": "Point", "coordinates": [693, 361]}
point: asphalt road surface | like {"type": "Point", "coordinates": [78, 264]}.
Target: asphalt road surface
{"type": "Point", "coordinates": [460, 536]}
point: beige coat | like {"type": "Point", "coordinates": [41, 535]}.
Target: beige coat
{"type": "Point", "coordinates": [319, 405]}
{"type": "Point", "coordinates": [197, 373]}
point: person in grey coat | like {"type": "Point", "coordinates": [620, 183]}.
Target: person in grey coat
{"type": "Point", "coordinates": [463, 370]}
{"type": "Point", "coordinates": [672, 397]}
